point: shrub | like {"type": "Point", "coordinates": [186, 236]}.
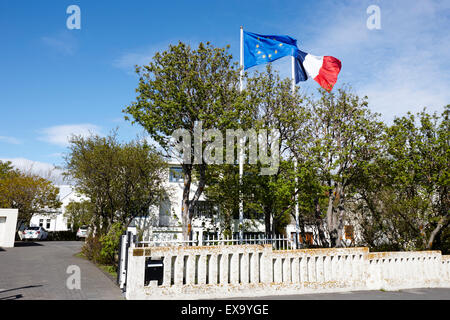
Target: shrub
{"type": "Point", "coordinates": [110, 243]}
{"type": "Point", "coordinates": [91, 249]}
{"type": "Point", "coordinates": [62, 235]}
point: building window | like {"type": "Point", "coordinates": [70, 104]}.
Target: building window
{"type": "Point", "coordinates": [349, 233]}
{"type": "Point", "coordinates": [204, 209]}
{"type": "Point", "coordinates": [175, 174]}
{"type": "Point", "coordinates": [48, 224]}
{"type": "Point", "coordinates": [41, 222]}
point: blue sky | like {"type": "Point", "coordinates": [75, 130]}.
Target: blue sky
{"type": "Point", "coordinates": [55, 81]}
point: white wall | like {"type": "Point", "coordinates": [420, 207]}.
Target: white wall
{"type": "Point", "coordinates": [207, 272]}
{"type": "Point", "coordinates": [8, 223]}
{"type": "Point", "coordinates": [57, 220]}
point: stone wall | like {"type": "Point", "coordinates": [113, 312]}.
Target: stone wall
{"type": "Point", "coordinates": [207, 272]}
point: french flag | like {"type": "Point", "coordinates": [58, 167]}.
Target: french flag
{"type": "Point", "coordinates": [323, 69]}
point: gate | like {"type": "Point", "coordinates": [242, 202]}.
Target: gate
{"type": "Point", "coordinates": [126, 241]}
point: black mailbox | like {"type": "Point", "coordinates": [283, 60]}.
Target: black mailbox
{"type": "Point", "coordinates": [154, 271]}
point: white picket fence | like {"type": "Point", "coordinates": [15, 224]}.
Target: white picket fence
{"type": "Point", "coordinates": [278, 242]}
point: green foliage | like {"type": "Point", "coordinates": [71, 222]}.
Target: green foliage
{"type": "Point", "coordinates": [29, 193]}
{"type": "Point", "coordinates": [79, 213]}
{"type": "Point", "coordinates": [177, 89]}
{"type": "Point", "coordinates": [6, 169]}
{"type": "Point", "coordinates": [92, 248]}
{"type": "Point", "coordinates": [62, 236]}
{"type": "Point", "coordinates": [406, 191]}
{"type": "Point", "coordinates": [392, 179]}
{"type": "Point", "coordinates": [110, 243]}
{"type": "Point", "coordinates": [121, 180]}
{"type": "Point", "coordinates": [103, 249]}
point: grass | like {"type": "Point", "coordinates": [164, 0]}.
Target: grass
{"type": "Point", "coordinates": [109, 269]}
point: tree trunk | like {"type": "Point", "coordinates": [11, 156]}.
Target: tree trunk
{"type": "Point", "coordinates": [435, 232]}
{"type": "Point", "coordinates": [268, 225]}
{"type": "Point", "coordinates": [185, 221]}
{"type": "Point", "coordinates": [334, 217]}
{"type": "Point", "coordinates": [320, 226]}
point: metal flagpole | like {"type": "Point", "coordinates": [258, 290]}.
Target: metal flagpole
{"type": "Point", "coordinates": [241, 142]}
{"type": "Point", "coordinates": [297, 227]}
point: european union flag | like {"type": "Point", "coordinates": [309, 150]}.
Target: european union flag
{"type": "Point", "coordinates": [260, 49]}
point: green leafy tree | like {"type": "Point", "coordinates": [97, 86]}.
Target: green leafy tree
{"type": "Point", "coordinates": [79, 213]}
{"type": "Point", "coordinates": [121, 180]}
{"type": "Point", "coordinates": [110, 244]}
{"type": "Point", "coordinates": [417, 177]}
{"type": "Point", "coordinates": [340, 137]}
{"type": "Point", "coordinates": [179, 88]}
{"type": "Point", "coordinates": [6, 169]}
{"type": "Point", "coordinates": [29, 193]}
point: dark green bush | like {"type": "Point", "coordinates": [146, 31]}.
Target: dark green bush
{"type": "Point", "coordinates": [92, 249]}
{"type": "Point", "coordinates": [62, 235]}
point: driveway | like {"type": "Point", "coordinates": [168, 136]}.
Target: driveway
{"type": "Point", "coordinates": [38, 270]}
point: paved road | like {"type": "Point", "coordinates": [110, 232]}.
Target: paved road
{"type": "Point", "coordinates": [37, 270]}
{"type": "Point", "coordinates": [410, 294]}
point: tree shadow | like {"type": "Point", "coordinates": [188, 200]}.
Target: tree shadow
{"type": "Point", "coordinates": [25, 287]}
{"type": "Point", "coordinates": [26, 244]}
{"type": "Point", "coordinates": [14, 297]}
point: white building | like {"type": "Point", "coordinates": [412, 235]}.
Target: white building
{"type": "Point", "coordinates": [165, 222]}
{"type": "Point", "coordinates": [55, 221]}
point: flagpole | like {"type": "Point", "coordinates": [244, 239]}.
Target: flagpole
{"type": "Point", "coordinates": [241, 142]}
{"type": "Point", "coordinates": [297, 227]}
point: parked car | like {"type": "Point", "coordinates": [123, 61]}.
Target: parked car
{"type": "Point", "coordinates": [34, 233]}
{"type": "Point", "coordinates": [82, 232]}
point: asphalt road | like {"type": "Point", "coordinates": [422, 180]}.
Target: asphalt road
{"type": "Point", "coordinates": [410, 294]}
{"type": "Point", "coordinates": [39, 270]}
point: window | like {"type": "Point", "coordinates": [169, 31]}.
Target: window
{"type": "Point", "coordinates": [204, 209]}
{"type": "Point", "coordinates": [48, 224]}
{"type": "Point", "coordinates": [349, 233]}
{"type": "Point", "coordinates": [175, 174]}
{"type": "Point", "coordinates": [41, 222]}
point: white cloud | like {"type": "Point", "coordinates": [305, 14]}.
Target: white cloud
{"type": "Point", "coordinates": [43, 169]}
{"type": "Point", "coordinates": [10, 140]}
{"type": "Point", "coordinates": [401, 67]}
{"type": "Point", "coordinates": [60, 135]}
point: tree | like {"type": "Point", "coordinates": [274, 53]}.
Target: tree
{"type": "Point", "coordinates": [179, 89]}
{"type": "Point", "coordinates": [79, 213]}
{"type": "Point", "coordinates": [341, 137]}
{"type": "Point", "coordinates": [29, 193]}
{"type": "Point", "coordinates": [6, 168]}
{"type": "Point", "coordinates": [121, 180]}
{"type": "Point", "coordinates": [415, 200]}
{"type": "Point", "coordinates": [272, 106]}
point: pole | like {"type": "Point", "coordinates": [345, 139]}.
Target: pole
{"type": "Point", "coordinates": [297, 227]}
{"type": "Point", "coordinates": [241, 142]}
{"type": "Point", "coordinates": [293, 73]}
